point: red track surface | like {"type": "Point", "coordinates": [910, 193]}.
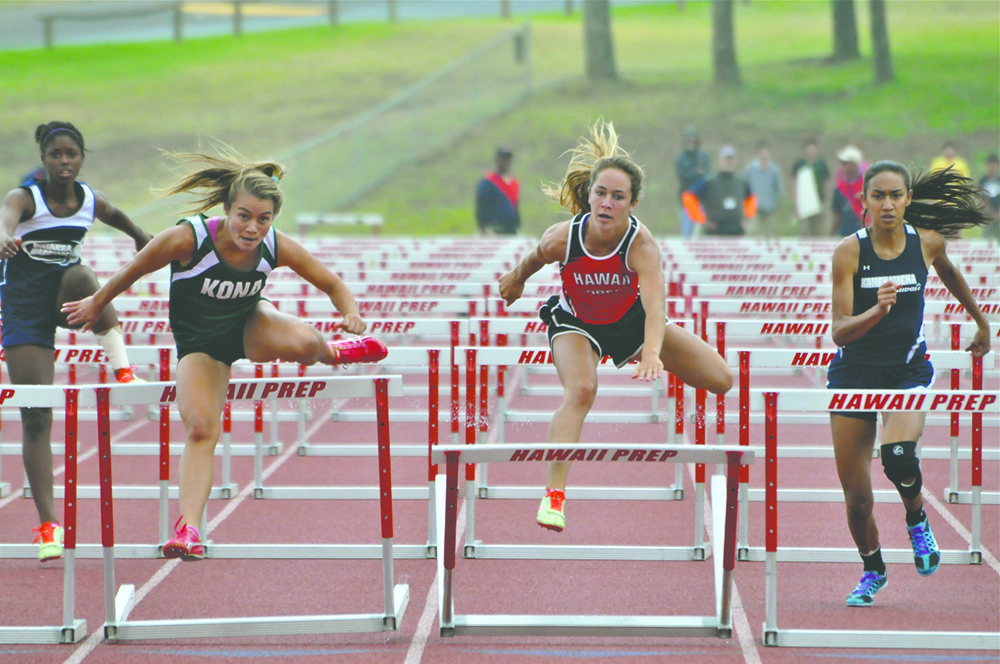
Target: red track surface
{"type": "Point", "coordinates": [956, 597]}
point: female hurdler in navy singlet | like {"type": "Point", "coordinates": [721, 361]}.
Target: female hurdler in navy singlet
{"type": "Point", "coordinates": [42, 226]}
{"type": "Point", "coordinates": [218, 267]}
{"type": "Point", "coordinates": [612, 300]}
{"type": "Point", "coordinates": [879, 275]}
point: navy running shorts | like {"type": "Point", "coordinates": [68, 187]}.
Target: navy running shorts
{"type": "Point", "coordinates": [28, 295]}
{"type": "Point", "coordinates": [621, 340]}
{"type": "Point", "coordinates": [841, 375]}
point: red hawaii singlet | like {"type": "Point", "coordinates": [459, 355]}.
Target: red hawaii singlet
{"type": "Point", "coordinates": [597, 289]}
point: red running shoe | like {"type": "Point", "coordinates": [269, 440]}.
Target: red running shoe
{"type": "Point", "coordinates": [358, 349]}
{"type": "Point", "coordinates": [186, 545]}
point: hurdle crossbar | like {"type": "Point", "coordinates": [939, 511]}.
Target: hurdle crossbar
{"type": "Point", "coordinates": [119, 604]}
{"type": "Point", "coordinates": [724, 493]}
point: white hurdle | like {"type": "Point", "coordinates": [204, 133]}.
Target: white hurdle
{"type": "Point", "coordinates": [771, 402]}
{"type": "Point", "coordinates": [119, 604]}
{"type": "Point", "coordinates": [724, 514]}
{"type": "Point", "coordinates": [72, 629]}
{"type": "Point", "coordinates": [397, 357]}
{"type": "Point", "coordinates": [477, 426]}
{"type": "Point", "coordinates": [746, 360]}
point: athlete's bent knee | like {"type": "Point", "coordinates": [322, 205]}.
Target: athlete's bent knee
{"type": "Point", "coordinates": [902, 467]}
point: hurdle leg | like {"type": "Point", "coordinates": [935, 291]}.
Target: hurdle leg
{"type": "Point", "coordinates": [433, 431]}
{"type": "Point", "coordinates": [116, 606]}
{"type": "Point", "coordinates": [470, 519]}
{"type": "Point", "coordinates": [951, 493]}
{"type": "Point", "coordinates": [258, 449]}
{"type": "Point", "coordinates": [227, 488]}
{"type": "Point", "coordinates": [976, 553]}
{"type": "Point", "coordinates": [4, 486]}
{"type": "Point", "coordinates": [743, 540]}
{"type": "Point", "coordinates": [447, 488]}
{"type": "Point", "coordinates": [393, 608]}
{"type": "Point", "coordinates": [771, 519]}
{"type": "Point", "coordinates": [72, 629]}
{"type": "Point", "coordinates": [164, 506]}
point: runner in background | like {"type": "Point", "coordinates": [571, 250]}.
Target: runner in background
{"type": "Point", "coordinates": [612, 300]}
{"type": "Point", "coordinates": [219, 266]}
{"type": "Point", "coordinates": [42, 226]}
{"type": "Point", "coordinates": [879, 274]}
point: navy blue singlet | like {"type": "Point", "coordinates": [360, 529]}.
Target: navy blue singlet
{"type": "Point", "coordinates": [899, 336]}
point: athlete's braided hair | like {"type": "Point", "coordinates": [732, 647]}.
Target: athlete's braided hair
{"type": "Point", "coordinates": [944, 201]}
{"type": "Point", "coordinates": [225, 176]}
{"type": "Point", "coordinates": [588, 159]}
{"type": "Point", "coordinates": [46, 133]}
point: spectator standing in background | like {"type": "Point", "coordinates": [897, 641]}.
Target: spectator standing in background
{"type": "Point", "coordinates": [723, 202]}
{"type": "Point", "coordinates": [847, 205]}
{"type": "Point", "coordinates": [693, 166]}
{"type": "Point", "coordinates": [990, 184]}
{"type": "Point", "coordinates": [949, 157]}
{"type": "Point", "coordinates": [496, 198]}
{"type": "Point", "coordinates": [809, 177]}
{"type": "Point", "coordinates": [764, 178]}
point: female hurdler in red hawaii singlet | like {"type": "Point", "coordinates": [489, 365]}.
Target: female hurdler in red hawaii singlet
{"type": "Point", "coordinates": [612, 300]}
{"type": "Point", "coordinates": [219, 267]}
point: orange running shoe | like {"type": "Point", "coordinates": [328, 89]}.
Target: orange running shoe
{"type": "Point", "coordinates": [49, 540]}
{"type": "Point", "coordinates": [127, 375]}
{"type": "Point", "coordinates": [186, 545]}
{"type": "Point", "coordinates": [550, 512]}
{"type": "Point", "coordinates": [358, 349]}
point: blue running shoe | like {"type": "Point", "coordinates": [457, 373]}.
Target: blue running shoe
{"type": "Point", "coordinates": [870, 583]}
{"type": "Point", "coordinates": [926, 554]}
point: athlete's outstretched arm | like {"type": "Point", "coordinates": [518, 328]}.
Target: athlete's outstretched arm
{"type": "Point", "coordinates": [173, 244]}
{"type": "Point", "coordinates": [935, 251]}
{"type": "Point", "coordinates": [644, 258]}
{"type": "Point", "coordinates": [118, 220]}
{"type": "Point", "coordinates": [844, 327]}
{"type": "Point", "coordinates": [16, 206]}
{"type": "Point", "coordinates": [551, 248]}
{"type": "Point", "coordinates": [293, 255]}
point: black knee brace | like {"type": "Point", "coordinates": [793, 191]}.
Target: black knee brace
{"type": "Point", "coordinates": [900, 463]}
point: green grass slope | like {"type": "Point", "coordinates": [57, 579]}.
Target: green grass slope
{"type": "Point", "coordinates": [263, 93]}
{"type": "Point", "coordinates": [947, 87]}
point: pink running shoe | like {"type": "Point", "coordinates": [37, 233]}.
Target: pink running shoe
{"type": "Point", "coordinates": [186, 545]}
{"type": "Point", "coordinates": [358, 349]}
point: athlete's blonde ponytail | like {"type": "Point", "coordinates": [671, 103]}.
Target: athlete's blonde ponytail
{"type": "Point", "coordinates": [225, 176]}
{"type": "Point", "coordinates": [588, 159]}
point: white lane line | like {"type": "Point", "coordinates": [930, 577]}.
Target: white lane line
{"type": "Point", "coordinates": [739, 617]}
{"type": "Point", "coordinates": [419, 641]}
{"type": "Point", "coordinates": [18, 493]}
{"type": "Point", "coordinates": [95, 639]}
{"type": "Point", "coordinates": [988, 557]}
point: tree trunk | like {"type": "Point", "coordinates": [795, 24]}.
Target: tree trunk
{"type": "Point", "coordinates": [845, 31]}
{"type": "Point", "coordinates": [881, 55]}
{"type": "Point", "coordinates": [727, 72]}
{"type": "Point", "coordinates": [598, 44]}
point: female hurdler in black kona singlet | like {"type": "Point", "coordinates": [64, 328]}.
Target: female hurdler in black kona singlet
{"type": "Point", "coordinates": [879, 275]}
{"type": "Point", "coordinates": [612, 298]}
{"type": "Point", "coordinates": [218, 267]}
